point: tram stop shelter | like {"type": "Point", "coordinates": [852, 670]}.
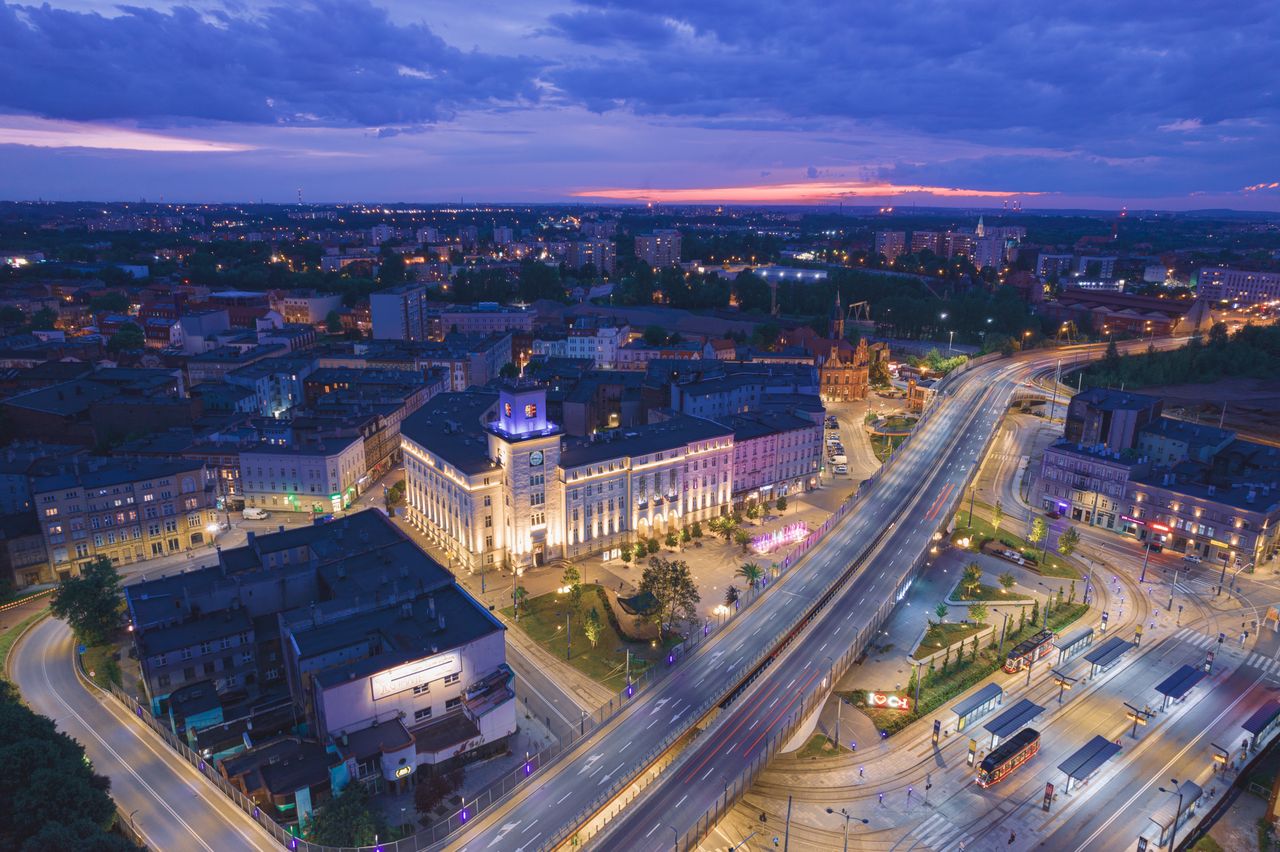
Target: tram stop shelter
{"type": "Point", "coordinates": [1166, 814]}
{"type": "Point", "coordinates": [1086, 760]}
{"type": "Point", "coordinates": [1262, 723]}
{"type": "Point", "coordinates": [1176, 686]}
{"type": "Point", "coordinates": [1106, 655]}
{"type": "Point", "coordinates": [977, 705]}
{"type": "Point", "coordinates": [1074, 644]}
{"type": "Point", "coordinates": [1012, 720]}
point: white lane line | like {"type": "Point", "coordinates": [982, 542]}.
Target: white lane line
{"type": "Point", "coordinates": [44, 670]}
{"type": "Point", "coordinates": [562, 798]}
{"type": "Point", "coordinates": [682, 798]}
{"type": "Point", "coordinates": [656, 825]}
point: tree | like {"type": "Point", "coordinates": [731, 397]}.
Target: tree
{"type": "Point", "coordinates": [1035, 611]}
{"type": "Point", "coordinates": [1039, 529]}
{"type": "Point", "coordinates": [753, 511]}
{"type": "Point", "coordinates": [429, 793]}
{"type": "Point", "coordinates": [731, 596]}
{"type": "Point", "coordinates": [685, 535]}
{"type": "Point", "coordinates": [115, 303]}
{"type": "Point", "coordinates": [972, 577]}
{"type": "Point", "coordinates": [128, 339]}
{"type": "Point", "coordinates": [672, 540]}
{"type": "Point", "coordinates": [941, 610]}
{"type": "Point", "coordinates": [696, 530]}
{"type": "Point", "coordinates": [625, 552]}
{"type": "Point", "coordinates": [1068, 541]}
{"type": "Point", "coordinates": [978, 614]}
{"type": "Point", "coordinates": [671, 584]}
{"type": "Point", "coordinates": [655, 335]}
{"type": "Point", "coordinates": [572, 578]}
{"type": "Point", "coordinates": [742, 538]}
{"type": "Point", "coordinates": [347, 820]}
{"type": "Point", "coordinates": [519, 595]}
{"type": "Point", "coordinates": [44, 319]}
{"type": "Point", "coordinates": [1007, 581]}
{"type": "Point", "coordinates": [90, 603]}
{"type": "Point", "coordinates": [879, 373]}
{"type": "Point", "coordinates": [723, 526]}
{"type": "Point", "coordinates": [592, 626]}
{"type": "Point", "coordinates": [997, 516]}
{"type": "Point", "coordinates": [751, 573]}
{"type": "Point", "coordinates": [781, 504]}
{"type": "Point", "coordinates": [652, 546]}
{"type": "Point", "coordinates": [509, 371]}
{"type": "Point", "coordinates": [333, 322]}
{"type": "Point", "coordinates": [50, 797]}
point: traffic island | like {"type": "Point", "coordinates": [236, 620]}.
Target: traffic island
{"type": "Point", "coordinates": [959, 669]}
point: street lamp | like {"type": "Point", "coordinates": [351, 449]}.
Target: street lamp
{"type": "Point", "coordinates": [847, 817]}
{"type": "Point", "coordinates": [1173, 830]}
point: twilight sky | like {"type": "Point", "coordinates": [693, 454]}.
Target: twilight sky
{"type": "Point", "coordinates": [1078, 103]}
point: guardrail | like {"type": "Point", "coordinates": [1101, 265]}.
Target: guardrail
{"type": "Point", "coordinates": [498, 791]}
{"type": "Point", "coordinates": [707, 821]}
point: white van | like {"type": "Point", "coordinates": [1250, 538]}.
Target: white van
{"type": "Point", "coordinates": [254, 514]}
{"type": "Point", "coordinates": [840, 459]}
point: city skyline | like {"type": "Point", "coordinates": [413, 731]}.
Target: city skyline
{"type": "Point", "coordinates": [1075, 107]}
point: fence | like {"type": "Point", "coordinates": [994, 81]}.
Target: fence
{"type": "Point", "coordinates": [606, 806]}
{"type": "Point", "coordinates": [498, 791]}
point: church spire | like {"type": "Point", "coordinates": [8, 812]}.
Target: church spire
{"type": "Point", "coordinates": [837, 320]}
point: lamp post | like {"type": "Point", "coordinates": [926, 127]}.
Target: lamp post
{"type": "Point", "coordinates": [676, 835]}
{"type": "Point", "coordinates": [1142, 576]}
{"type": "Point", "coordinates": [1173, 830]}
{"type": "Point", "coordinates": [1003, 629]}
{"type": "Point", "coordinates": [847, 817]}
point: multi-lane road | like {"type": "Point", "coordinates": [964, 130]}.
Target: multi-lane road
{"type": "Point", "coordinates": [898, 513]}
{"type": "Point", "coordinates": [172, 806]}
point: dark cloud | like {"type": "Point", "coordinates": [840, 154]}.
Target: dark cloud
{"type": "Point", "coordinates": [324, 62]}
{"type": "Point", "coordinates": [1109, 78]}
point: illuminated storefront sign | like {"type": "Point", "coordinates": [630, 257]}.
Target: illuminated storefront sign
{"type": "Point", "coordinates": [1129, 520]}
{"type": "Point", "coordinates": [1160, 528]}
{"type": "Point", "coordinates": [418, 673]}
{"type": "Point", "coordinates": [885, 699]}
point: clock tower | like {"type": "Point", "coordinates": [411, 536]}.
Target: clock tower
{"type": "Point", "coordinates": [527, 447]}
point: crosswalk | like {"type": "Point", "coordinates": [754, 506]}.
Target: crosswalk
{"type": "Point", "coordinates": [1206, 642]}
{"type": "Point", "coordinates": [940, 834]}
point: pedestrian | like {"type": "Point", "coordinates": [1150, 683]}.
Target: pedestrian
{"type": "Point", "coordinates": [1012, 837]}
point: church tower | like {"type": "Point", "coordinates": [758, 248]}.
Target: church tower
{"type": "Point", "coordinates": [837, 320]}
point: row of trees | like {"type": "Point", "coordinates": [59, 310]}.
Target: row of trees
{"type": "Point", "coordinates": [1253, 351]}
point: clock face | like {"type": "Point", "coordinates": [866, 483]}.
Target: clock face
{"type": "Point", "coordinates": [535, 458]}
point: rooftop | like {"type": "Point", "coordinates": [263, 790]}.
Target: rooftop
{"type": "Point", "coordinates": [677, 431]}
{"type": "Point", "coordinates": [450, 426]}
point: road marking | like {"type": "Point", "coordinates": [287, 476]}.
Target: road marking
{"type": "Point", "coordinates": [682, 798]}
{"type": "Point", "coordinates": [44, 670]}
{"type": "Point", "coordinates": [656, 825]}
{"type": "Point", "coordinates": [562, 798]}
{"type": "Point", "coordinates": [709, 771]}
{"type": "Point", "coordinates": [1123, 809]}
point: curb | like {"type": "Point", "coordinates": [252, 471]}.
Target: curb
{"type": "Point", "coordinates": [22, 634]}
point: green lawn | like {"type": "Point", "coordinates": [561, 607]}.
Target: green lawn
{"type": "Point", "coordinates": [982, 593]}
{"type": "Point", "coordinates": [100, 665]}
{"type": "Point", "coordinates": [882, 446]}
{"type": "Point", "coordinates": [982, 531]}
{"type": "Point", "coordinates": [11, 635]}
{"type": "Point", "coordinates": [819, 745]}
{"type": "Point", "coordinates": [543, 619]}
{"type": "Point", "coordinates": [941, 684]}
{"type": "Point", "coordinates": [939, 636]}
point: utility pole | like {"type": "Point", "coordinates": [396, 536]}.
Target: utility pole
{"type": "Point", "coordinates": [568, 638]}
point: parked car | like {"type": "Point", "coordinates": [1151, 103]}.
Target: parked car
{"type": "Point", "coordinates": [832, 423]}
{"type": "Point", "coordinates": [1193, 558]}
{"type": "Point", "coordinates": [839, 459]}
{"type": "Point", "coordinates": [254, 514]}
{"type": "Point", "coordinates": [842, 468]}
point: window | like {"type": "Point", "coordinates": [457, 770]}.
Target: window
{"type": "Point", "coordinates": [488, 500]}
{"type": "Point", "coordinates": [422, 715]}
{"type": "Point", "coordinates": [453, 704]}
{"type": "Point", "coordinates": [51, 512]}
{"type": "Point", "coordinates": [453, 678]}
{"type": "Point", "coordinates": [162, 680]}
{"type": "Point", "coordinates": [422, 689]}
